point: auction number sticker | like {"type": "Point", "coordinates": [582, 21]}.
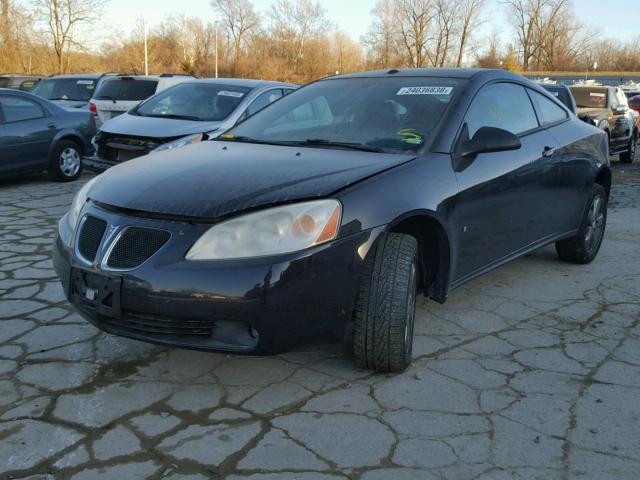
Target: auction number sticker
{"type": "Point", "coordinates": [425, 91]}
{"type": "Point", "coordinates": [226, 93]}
{"type": "Point", "coordinates": [85, 82]}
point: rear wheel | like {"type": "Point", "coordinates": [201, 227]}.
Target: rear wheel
{"type": "Point", "coordinates": [630, 155]}
{"type": "Point", "coordinates": [584, 246]}
{"type": "Point", "coordinates": [65, 163]}
{"type": "Point", "coordinates": [385, 306]}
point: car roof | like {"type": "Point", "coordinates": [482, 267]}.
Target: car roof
{"type": "Point", "coordinates": [242, 82]}
{"type": "Point", "coordinates": [462, 73]}
{"type": "Point", "coordinates": [93, 76]}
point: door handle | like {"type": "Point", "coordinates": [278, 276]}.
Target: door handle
{"type": "Point", "coordinates": [51, 126]}
{"type": "Point", "coordinates": [548, 152]}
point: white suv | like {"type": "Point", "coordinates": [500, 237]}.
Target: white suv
{"type": "Point", "coordinates": [121, 93]}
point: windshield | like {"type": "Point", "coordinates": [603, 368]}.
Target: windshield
{"type": "Point", "coordinates": [126, 88]}
{"type": "Point", "coordinates": [390, 114]}
{"type": "Point", "coordinates": [78, 89]}
{"type": "Point", "coordinates": [4, 82]}
{"type": "Point", "coordinates": [195, 101]}
{"type": "Point", "coordinates": [590, 97]}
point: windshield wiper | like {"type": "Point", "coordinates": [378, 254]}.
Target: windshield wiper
{"type": "Point", "coordinates": [321, 142]}
{"type": "Point", "coordinates": [171, 116]}
{"type": "Point", "coordinates": [245, 139]}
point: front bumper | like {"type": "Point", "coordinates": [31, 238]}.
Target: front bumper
{"type": "Point", "coordinates": [97, 164]}
{"type": "Point", "coordinates": [262, 305]}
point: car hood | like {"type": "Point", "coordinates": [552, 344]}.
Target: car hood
{"type": "Point", "coordinates": [212, 179]}
{"type": "Point", "coordinates": [150, 127]}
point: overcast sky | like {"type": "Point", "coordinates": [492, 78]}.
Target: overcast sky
{"type": "Point", "coordinates": [353, 16]}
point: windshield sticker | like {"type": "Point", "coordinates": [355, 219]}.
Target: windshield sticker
{"type": "Point", "coordinates": [596, 97]}
{"type": "Point", "coordinates": [226, 93]}
{"type": "Point", "coordinates": [425, 91]}
{"type": "Point", "coordinates": [85, 82]}
{"type": "Point", "coordinates": [410, 136]}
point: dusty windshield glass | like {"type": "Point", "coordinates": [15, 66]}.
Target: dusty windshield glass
{"type": "Point", "coordinates": [78, 89]}
{"type": "Point", "coordinates": [204, 102]}
{"type": "Point", "coordinates": [389, 114]}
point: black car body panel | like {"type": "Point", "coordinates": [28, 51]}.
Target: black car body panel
{"type": "Point", "coordinates": [224, 177]}
{"type": "Point", "coordinates": [468, 216]}
{"type": "Point", "coordinates": [26, 145]}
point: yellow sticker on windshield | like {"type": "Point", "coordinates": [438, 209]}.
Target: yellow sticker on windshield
{"type": "Point", "coordinates": [410, 136]}
{"type": "Point", "coordinates": [228, 136]}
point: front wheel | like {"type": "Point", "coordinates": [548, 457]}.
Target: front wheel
{"type": "Point", "coordinates": [385, 306]}
{"type": "Point", "coordinates": [630, 155]}
{"type": "Point", "coordinates": [584, 246]}
{"type": "Point", "coordinates": [65, 164]}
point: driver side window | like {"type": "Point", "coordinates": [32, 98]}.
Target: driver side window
{"type": "Point", "coordinates": [502, 105]}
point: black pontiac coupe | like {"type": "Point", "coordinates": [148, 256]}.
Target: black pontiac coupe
{"type": "Point", "coordinates": [331, 209]}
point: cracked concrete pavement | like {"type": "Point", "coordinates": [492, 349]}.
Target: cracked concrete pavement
{"type": "Point", "coordinates": [530, 372]}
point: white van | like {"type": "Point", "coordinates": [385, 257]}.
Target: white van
{"type": "Point", "coordinates": [121, 93]}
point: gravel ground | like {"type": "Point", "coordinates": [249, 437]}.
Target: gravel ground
{"type": "Point", "coordinates": [530, 372]}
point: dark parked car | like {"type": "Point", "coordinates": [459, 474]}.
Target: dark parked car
{"type": "Point", "coordinates": [70, 91]}
{"type": "Point", "coordinates": [37, 135]}
{"type": "Point", "coordinates": [329, 211]}
{"type": "Point", "coordinates": [186, 113]}
{"type": "Point", "coordinates": [18, 82]}
{"type": "Point", "coordinates": [562, 93]}
{"type": "Point", "coordinates": [608, 109]}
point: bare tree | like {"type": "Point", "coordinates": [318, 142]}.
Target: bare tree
{"type": "Point", "coordinates": [63, 20]}
{"type": "Point", "coordinates": [468, 11]}
{"type": "Point", "coordinates": [414, 19]}
{"type": "Point", "coordinates": [239, 19]}
{"type": "Point", "coordinates": [296, 22]}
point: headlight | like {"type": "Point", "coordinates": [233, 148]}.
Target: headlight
{"type": "Point", "coordinates": [78, 202]}
{"type": "Point", "coordinates": [181, 142]}
{"type": "Point", "coordinates": [270, 232]}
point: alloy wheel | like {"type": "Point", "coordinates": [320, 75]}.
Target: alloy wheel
{"type": "Point", "coordinates": [595, 224]}
{"type": "Point", "coordinates": [69, 162]}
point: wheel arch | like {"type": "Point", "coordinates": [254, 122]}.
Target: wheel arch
{"type": "Point", "coordinates": [434, 250]}
{"type": "Point", "coordinates": [603, 177]}
{"type": "Point", "coordinates": [68, 135]}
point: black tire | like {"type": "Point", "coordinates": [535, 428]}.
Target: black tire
{"type": "Point", "coordinates": [385, 306]}
{"type": "Point", "coordinates": [65, 164]}
{"type": "Point", "coordinates": [584, 246]}
{"type": "Point", "coordinates": [630, 155]}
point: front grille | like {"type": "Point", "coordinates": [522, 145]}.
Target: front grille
{"type": "Point", "coordinates": [155, 325]}
{"type": "Point", "coordinates": [117, 147]}
{"type": "Point", "coordinates": [90, 236]}
{"type": "Point", "coordinates": [135, 246]}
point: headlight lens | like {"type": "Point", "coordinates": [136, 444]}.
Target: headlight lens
{"type": "Point", "coordinates": [270, 232]}
{"type": "Point", "coordinates": [181, 142]}
{"type": "Point", "coordinates": [77, 204]}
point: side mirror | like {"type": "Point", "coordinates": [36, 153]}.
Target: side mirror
{"type": "Point", "coordinates": [485, 140]}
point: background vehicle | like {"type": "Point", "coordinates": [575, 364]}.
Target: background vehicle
{"type": "Point", "coordinates": [186, 113]}
{"type": "Point", "coordinates": [37, 135]}
{"type": "Point", "coordinates": [608, 109]}
{"type": "Point", "coordinates": [562, 93]}
{"type": "Point", "coordinates": [18, 82]}
{"type": "Point", "coordinates": [330, 209]}
{"type": "Point", "coordinates": [123, 92]}
{"type": "Point", "coordinates": [72, 91]}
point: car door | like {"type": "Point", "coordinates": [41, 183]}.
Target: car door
{"type": "Point", "coordinates": [572, 162]}
{"type": "Point", "coordinates": [504, 196]}
{"type": "Point", "coordinates": [28, 132]}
